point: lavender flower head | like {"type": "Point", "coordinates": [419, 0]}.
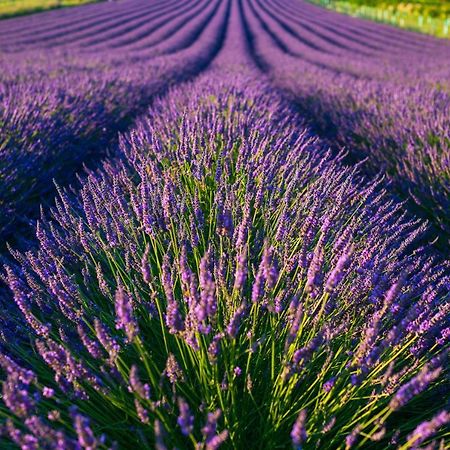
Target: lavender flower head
{"type": "Point", "coordinates": [298, 433]}
{"type": "Point", "coordinates": [173, 370]}
{"type": "Point", "coordinates": [185, 419]}
{"type": "Point", "coordinates": [85, 435]}
{"type": "Point", "coordinates": [125, 319]}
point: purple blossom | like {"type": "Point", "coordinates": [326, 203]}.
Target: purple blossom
{"type": "Point", "coordinates": [125, 319]}
{"type": "Point", "coordinates": [298, 433]}
{"type": "Point", "coordinates": [108, 342]}
{"type": "Point", "coordinates": [235, 322]}
{"type": "Point", "coordinates": [315, 271]}
{"type": "Point", "coordinates": [173, 315]}
{"type": "Point", "coordinates": [414, 387]}
{"type": "Point", "coordinates": [173, 370]}
{"type": "Point", "coordinates": [214, 348]}
{"type": "Point", "coordinates": [91, 346]}
{"type": "Point", "coordinates": [145, 266]}
{"type": "Point", "coordinates": [159, 436]}
{"type": "Point", "coordinates": [221, 150]}
{"type": "Point", "coordinates": [85, 435]}
{"type": "Point", "coordinates": [48, 392]}
{"type": "Point", "coordinates": [185, 419]}
{"type": "Point", "coordinates": [428, 429]}
{"type": "Point", "coordinates": [207, 307]}
{"type": "Point", "coordinates": [16, 395]}
{"type": "Point", "coordinates": [143, 390]}
{"type": "Point", "coordinates": [141, 412]}
{"type": "Point", "coordinates": [209, 431]}
{"type": "Point", "coordinates": [337, 274]}
{"type": "Point", "coordinates": [351, 439]}
{"type": "Point", "coordinates": [258, 286]}
{"type": "Point", "coordinates": [328, 385]}
{"type": "Point", "coordinates": [241, 271]}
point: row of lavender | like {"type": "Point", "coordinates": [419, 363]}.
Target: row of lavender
{"type": "Point", "coordinates": [380, 92]}
{"type": "Point", "coordinates": [224, 281]}
{"type": "Point", "coordinates": [61, 108]}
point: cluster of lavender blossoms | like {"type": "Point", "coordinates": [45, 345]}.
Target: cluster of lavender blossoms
{"type": "Point", "coordinates": [222, 280]}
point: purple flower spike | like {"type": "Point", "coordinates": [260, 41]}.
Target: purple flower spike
{"type": "Point", "coordinates": [337, 274]}
{"type": "Point", "coordinates": [298, 433]}
{"type": "Point", "coordinates": [428, 429]}
{"type": "Point", "coordinates": [159, 436]}
{"type": "Point", "coordinates": [414, 387]}
{"type": "Point", "coordinates": [185, 419]}
{"type": "Point", "coordinates": [145, 265]}
{"type": "Point", "coordinates": [350, 439]}
{"type": "Point", "coordinates": [315, 274]}
{"type": "Point", "coordinates": [235, 322]}
{"type": "Point", "coordinates": [85, 435]}
{"type": "Point", "coordinates": [173, 370]}
{"type": "Point", "coordinates": [108, 342]}
{"type": "Point", "coordinates": [124, 314]}
{"type": "Point", "coordinates": [328, 385]}
{"type": "Point", "coordinates": [241, 271]}
{"type": "Point", "coordinates": [143, 390]}
{"type": "Point", "coordinates": [209, 431]}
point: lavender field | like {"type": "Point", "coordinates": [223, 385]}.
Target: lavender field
{"type": "Point", "coordinates": [223, 224]}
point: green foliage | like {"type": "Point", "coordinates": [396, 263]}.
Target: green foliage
{"type": "Point", "coordinates": [426, 16]}
{"type": "Point", "coordinates": [11, 8]}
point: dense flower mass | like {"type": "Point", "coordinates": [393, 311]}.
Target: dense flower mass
{"type": "Point", "coordinates": [222, 279]}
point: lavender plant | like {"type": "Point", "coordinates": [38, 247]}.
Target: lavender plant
{"type": "Point", "coordinates": [225, 282]}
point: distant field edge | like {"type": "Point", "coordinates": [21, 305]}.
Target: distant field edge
{"type": "Point", "coordinates": [423, 16]}
{"type": "Point", "coordinates": [16, 8]}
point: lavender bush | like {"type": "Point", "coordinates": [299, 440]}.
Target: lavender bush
{"type": "Point", "coordinates": [222, 279]}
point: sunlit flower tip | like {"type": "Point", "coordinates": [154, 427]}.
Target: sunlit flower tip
{"type": "Point", "coordinates": [328, 385]}
{"type": "Point", "coordinates": [85, 435]}
{"type": "Point", "coordinates": [173, 370]}
{"type": "Point", "coordinates": [237, 371]}
{"type": "Point", "coordinates": [48, 392]}
{"type": "Point", "coordinates": [141, 412]}
{"type": "Point", "coordinates": [329, 425]}
{"type": "Point", "coordinates": [54, 415]}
